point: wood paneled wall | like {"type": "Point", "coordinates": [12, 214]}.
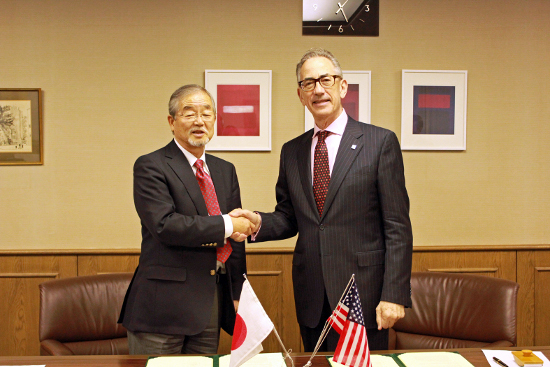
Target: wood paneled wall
{"type": "Point", "coordinates": [269, 272]}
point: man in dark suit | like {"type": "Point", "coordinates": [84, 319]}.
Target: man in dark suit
{"type": "Point", "coordinates": [341, 187]}
{"type": "Point", "coordinates": [190, 273]}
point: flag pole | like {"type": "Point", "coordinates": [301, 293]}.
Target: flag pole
{"type": "Point", "coordinates": [327, 326]}
{"type": "Point", "coordinates": [287, 352]}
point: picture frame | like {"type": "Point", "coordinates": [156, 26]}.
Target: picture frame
{"type": "Point", "coordinates": [433, 109]}
{"type": "Point", "coordinates": [357, 102]}
{"type": "Point", "coordinates": [21, 127]}
{"type": "Point", "coordinates": [243, 103]}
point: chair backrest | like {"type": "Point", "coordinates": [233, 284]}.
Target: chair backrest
{"type": "Point", "coordinates": [79, 315]}
{"type": "Point", "coordinates": [453, 310]}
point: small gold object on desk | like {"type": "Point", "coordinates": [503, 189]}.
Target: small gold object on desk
{"type": "Point", "coordinates": [527, 358]}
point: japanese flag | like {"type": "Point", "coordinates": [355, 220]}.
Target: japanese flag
{"type": "Point", "coordinates": [252, 326]}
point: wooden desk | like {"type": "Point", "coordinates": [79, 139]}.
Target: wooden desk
{"type": "Point", "coordinates": [474, 355]}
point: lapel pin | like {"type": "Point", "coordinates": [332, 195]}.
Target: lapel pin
{"type": "Point", "coordinates": [353, 146]}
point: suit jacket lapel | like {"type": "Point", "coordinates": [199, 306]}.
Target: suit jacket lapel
{"type": "Point", "coordinates": [217, 179]}
{"type": "Point", "coordinates": [180, 165]}
{"type": "Point", "coordinates": [304, 168]}
{"type": "Point", "coordinates": [349, 148]}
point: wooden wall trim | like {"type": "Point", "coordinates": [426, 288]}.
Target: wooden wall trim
{"type": "Point", "coordinates": [132, 251]}
{"type": "Point", "coordinates": [29, 275]}
{"type": "Point", "coordinates": [69, 252]}
{"type": "Point", "coordinates": [267, 250]}
{"type": "Point", "coordinates": [263, 273]}
{"type": "Point", "coordinates": [274, 250]}
{"type": "Point", "coordinates": [464, 270]}
{"type": "Point", "coordinates": [482, 248]}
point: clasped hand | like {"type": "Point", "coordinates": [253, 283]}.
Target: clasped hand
{"type": "Point", "coordinates": [245, 223]}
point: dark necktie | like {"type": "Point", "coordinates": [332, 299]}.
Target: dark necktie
{"type": "Point", "coordinates": [212, 205]}
{"type": "Point", "coordinates": [321, 171]}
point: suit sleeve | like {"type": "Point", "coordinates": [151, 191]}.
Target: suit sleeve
{"type": "Point", "coordinates": [280, 224]}
{"type": "Point", "coordinates": [397, 225]}
{"type": "Point", "coordinates": [163, 218]}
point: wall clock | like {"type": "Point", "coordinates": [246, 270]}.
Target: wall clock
{"type": "Point", "coordinates": [340, 17]}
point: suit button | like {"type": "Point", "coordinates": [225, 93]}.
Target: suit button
{"type": "Point", "coordinates": [212, 272]}
{"type": "Point", "coordinates": [215, 244]}
{"type": "Point", "coordinates": [322, 227]}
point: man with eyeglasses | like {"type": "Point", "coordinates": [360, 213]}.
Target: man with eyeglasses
{"type": "Point", "coordinates": [341, 187]}
{"type": "Point", "coordinates": [192, 261]}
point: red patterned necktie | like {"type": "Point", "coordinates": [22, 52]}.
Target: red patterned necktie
{"type": "Point", "coordinates": [321, 171]}
{"type": "Point", "coordinates": [211, 200]}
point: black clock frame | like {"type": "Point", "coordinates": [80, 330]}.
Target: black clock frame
{"type": "Point", "coordinates": [361, 23]}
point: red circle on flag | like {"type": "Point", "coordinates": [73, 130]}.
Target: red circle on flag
{"type": "Point", "coordinates": [239, 333]}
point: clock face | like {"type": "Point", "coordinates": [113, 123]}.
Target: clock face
{"type": "Point", "coordinates": [340, 17]}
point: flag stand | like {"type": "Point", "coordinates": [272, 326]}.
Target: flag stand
{"type": "Point", "coordinates": [327, 326]}
{"type": "Point", "coordinates": [287, 352]}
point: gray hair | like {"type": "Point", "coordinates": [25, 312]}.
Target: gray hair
{"type": "Point", "coordinates": [318, 52]}
{"type": "Point", "coordinates": [181, 93]}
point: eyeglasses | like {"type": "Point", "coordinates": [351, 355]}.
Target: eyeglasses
{"type": "Point", "coordinates": [191, 117]}
{"type": "Point", "coordinates": [325, 81]}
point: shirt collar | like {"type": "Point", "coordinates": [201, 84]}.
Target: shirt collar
{"type": "Point", "coordinates": [190, 157]}
{"type": "Point", "coordinates": [337, 126]}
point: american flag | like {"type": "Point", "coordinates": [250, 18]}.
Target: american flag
{"type": "Point", "coordinates": [347, 319]}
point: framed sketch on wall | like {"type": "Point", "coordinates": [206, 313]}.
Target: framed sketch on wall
{"type": "Point", "coordinates": [357, 100]}
{"type": "Point", "coordinates": [243, 104]}
{"type": "Point", "coordinates": [21, 128]}
{"type": "Point", "coordinates": [433, 109]}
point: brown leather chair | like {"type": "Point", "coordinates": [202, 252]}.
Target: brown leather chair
{"type": "Point", "coordinates": [457, 311]}
{"type": "Point", "coordinates": [78, 316]}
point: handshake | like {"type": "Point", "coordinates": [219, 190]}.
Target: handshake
{"type": "Point", "coordinates": [245, 223]}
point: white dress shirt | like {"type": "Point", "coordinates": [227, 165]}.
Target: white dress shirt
{"type": "Point", "coordinates": [192, 159]}
{"type": "Point", "coordinates": [337, 128]}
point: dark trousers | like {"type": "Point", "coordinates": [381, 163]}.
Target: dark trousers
{"type": "Point", "coordinates": [206, 342]}
{"type": "Point", "coordinates": [378, 339]}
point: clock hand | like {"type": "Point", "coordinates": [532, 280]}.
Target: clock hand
{"type": "Point", "coordinates": [341, 7]}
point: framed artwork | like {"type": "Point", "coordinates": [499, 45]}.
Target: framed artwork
{"type": "Point", "coordinates": [21, 127]}
{"type": "Point", "coordinates": [433, 109]}
{"type": "Point", "coordinates": [357, 100]}
{"type": "Point", "coordinates": [243, 104]}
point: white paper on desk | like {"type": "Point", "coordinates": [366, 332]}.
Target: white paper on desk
{"type": "Point", "coordinates": [259, 360]}
{"type": "Point", "coordinates": [34, 365]}
{"type": "Point", "coordinates": [507, 357]}
{"type": "Point", "coordinates": [177, 361]}
{"type": "Point", "coordinates": [434, 359]}
{"type": "Point", "coordinates": [376, 360]}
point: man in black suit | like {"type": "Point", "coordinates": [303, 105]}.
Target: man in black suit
{"type": "Point", "coordinates": [185, 286]}
{"type": "Point", "coordinates": [341, 187]}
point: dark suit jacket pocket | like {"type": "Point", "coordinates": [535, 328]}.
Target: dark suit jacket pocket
{"type": "Point", "coordinates": [165, 273]}
{"type": "Point", "coordinates": [371, 258]}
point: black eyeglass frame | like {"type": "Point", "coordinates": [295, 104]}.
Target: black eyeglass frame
{"type": "Point", "coordinates": [315, 80]}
